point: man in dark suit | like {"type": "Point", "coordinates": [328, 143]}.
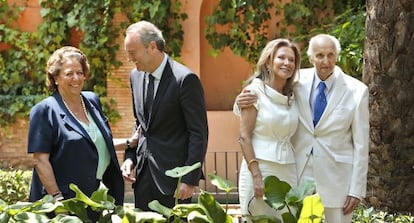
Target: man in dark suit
{"type": "Point", "coordinates": [173, 120]}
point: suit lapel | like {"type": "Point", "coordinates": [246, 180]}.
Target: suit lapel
{"type": "Point", "coordinates": [303, 91]}
{"type": "Point", "coordinates": [162, 88]}
{"type": "Point", "coordinates": [137, 86]}
{"type": "Point", "coordinates": [75, 125]}
{"type": "Point", "coordinates": [99, 121]}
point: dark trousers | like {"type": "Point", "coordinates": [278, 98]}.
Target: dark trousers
{"type": "Point", "coordinates": [145, 191]}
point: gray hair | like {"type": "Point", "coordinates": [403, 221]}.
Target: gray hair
{"type": "Point", "coordinates": [147, 32]}
{"type": "Point", "coordinates": [313, 40]}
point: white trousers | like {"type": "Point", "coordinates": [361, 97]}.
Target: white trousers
{"type": "Point", "coordinates": [332, 215]}
{"type": "Point", "coordinates": [251, 206]}
{"type": "Point", "coordinates": [336, 215]}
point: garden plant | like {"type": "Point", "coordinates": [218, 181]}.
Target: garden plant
{"type": "Point", "coordinates": [15, 208]}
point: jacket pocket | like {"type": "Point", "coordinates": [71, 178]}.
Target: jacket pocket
{"type": "Point", "coordinates": [343, 159]}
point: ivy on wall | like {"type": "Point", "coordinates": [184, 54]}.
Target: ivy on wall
{"type": "Point", "coordinates": [166, 15]}
{"type": "Point", "coordinates": [241, 26]}
{"type": "Point", "coordinates": [344, 19]}
{"type": "Point", "coordinates": [24, 55]}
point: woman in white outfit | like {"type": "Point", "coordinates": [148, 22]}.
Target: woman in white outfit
{"type": "Point", "coordinates": [266, 127]}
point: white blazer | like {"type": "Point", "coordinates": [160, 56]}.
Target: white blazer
{"type": "Point", "coordinates": [339, 140]}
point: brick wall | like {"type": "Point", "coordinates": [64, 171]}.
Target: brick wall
{"type": "Point", "coordinates": [13, 145]}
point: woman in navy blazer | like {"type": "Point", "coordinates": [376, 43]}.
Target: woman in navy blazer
{"type": "Point", "coordinates": [69, 135]}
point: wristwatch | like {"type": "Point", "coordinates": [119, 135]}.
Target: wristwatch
{"type": "Point", "coordinates": [128, 144]}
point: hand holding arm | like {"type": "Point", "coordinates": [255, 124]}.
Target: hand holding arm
{"type": "Point", "coordinates": [134, 140]}
{"type": "Point", "coordinates": [122, 143]}
{"type": "Point", "coordinates": [127, 170]}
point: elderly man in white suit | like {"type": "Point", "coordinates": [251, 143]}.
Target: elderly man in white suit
{"type": "Point", "coordinates": [333, 151]}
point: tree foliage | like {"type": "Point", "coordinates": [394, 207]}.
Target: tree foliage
{"type": "Point", "coordinates": [240, 25]}
{"type": "Point", "coordinates": [243, 26]}
{"type": "Point", "coordinates": [89, 25]}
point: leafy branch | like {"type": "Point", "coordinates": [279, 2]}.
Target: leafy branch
{"type": "Point", "coordinates": [91, 26]}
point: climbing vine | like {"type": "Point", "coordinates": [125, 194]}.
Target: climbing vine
{"type": "Point", "coordinates": [240, 25]}
{"type": "Point", "coordinates": [166, 15]}
{"type": "Point", "coordinates": [89, 25]}
{"type": "Point", "coordinates": [243, 26]}
{"type": "Point", "coordinates": [343, 19]}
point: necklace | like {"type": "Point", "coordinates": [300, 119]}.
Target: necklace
{"type": "Point", "coordinates": [72, 113]}
{"type": "Point", "coordinates": [90, 128]}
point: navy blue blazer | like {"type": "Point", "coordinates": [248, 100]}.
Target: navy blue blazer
{"type": "Point", "coordinates": [177, 132]}
{"type": "Point", "coordinates": [73, 155]}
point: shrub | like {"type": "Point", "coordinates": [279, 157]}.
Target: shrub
{"type": "Point", "coordinates": [14, 185]}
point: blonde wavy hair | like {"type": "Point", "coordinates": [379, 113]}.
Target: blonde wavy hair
{"type": "Point", "coordinates": [267, 56]}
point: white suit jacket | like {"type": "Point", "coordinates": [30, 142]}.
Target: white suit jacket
{"type": "Point", "coordinates": [339, 140]}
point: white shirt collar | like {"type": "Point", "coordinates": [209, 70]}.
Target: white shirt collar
{"type": "Point", "coordinates": [158, 72]}
{"type": "Point", "coordinates": [328, 82]}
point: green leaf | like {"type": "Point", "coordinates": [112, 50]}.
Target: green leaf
{"type": "Point", "coordinates": [288, 218]}
{"type": "Point", "coordinates": [72, 21]}
{"type": "Point", "coordinates": [128, 215]}
{"type": "Point", "coordinates": [30, 217]}
{"type": "Point", "coordinates": [4, 217]}
{"type": "Point", "coordinates": [101, 196]}
{"type": "Point", "coordinates": [183, 210]}
{"type": "Point", "coordinates": [221, 183]}
{"type": "Point", "coordinates": [14, 209]}
{"type": "Point", "coordinates": [66, 219]}
{"type": "Point", "coordinates": [212, 208]}
{"type": "Point", "coordinates": [181, 171]}
{"type": "Point", "coordinates": [264, 219]}
{"type": "Point", "coordinates": [147, 216]}
{"type": "Point", "coordinates": [275, 192]}
{"type": "Point", "coordinates": [297, 194]}
{"type": "Point", "coordinates": [75, 207]}
{"type": "Point", "coordinates": [197, 217]}
{"type": "Point", "coordinates": [158, 207]}
{"type": "Point", "coordinates": [80, 196]}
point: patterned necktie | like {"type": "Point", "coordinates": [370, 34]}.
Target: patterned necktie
{"type": "Point", "coordinates": [149, 97]}
{"type": "Point", "coordinates": [320, 103]}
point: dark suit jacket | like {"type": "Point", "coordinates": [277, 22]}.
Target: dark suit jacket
{"type": "Point", "coordinates": [176, 134]}
{"type": "Point", "coordinates": [73, 154]}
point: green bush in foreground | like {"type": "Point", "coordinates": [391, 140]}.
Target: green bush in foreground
{"type": "Point", "coordinates": [14, 185]}
{"type": "Point", "coordinates": [14, 190]}
{"type": "Point", "coordinates": [363, 214]}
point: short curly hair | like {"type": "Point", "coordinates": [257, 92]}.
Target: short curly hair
{"type": "Point", "coordinates": [58, 58]}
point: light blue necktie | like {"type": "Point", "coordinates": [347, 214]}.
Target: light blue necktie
{"type": "Point", "coordinates": [320, 103]}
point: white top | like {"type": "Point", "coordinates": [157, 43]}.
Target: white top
{"type": "Point", "coordinates": [276, 122]}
